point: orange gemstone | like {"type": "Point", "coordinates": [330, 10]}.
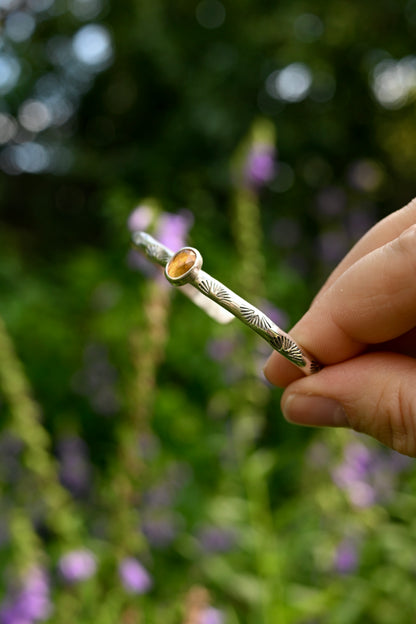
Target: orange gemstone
{"type": "Point", "coordinates": [181, 263]}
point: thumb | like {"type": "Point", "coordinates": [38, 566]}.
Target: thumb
{"type": "Point", "coordinates": [374, 393]}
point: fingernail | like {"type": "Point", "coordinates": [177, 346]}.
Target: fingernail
{"type": "Point", "coordinates": [314, 410]}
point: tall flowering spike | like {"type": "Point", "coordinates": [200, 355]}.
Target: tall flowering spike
{"type": "Point", "coordinates": [77, 565]}
{"type": "Point", "coordinates": [172, 229]}
{"type": "Point", "coordinates": [134, 577]}
{"type": "Point", "coordinates": [346, 557]}
{"type": "Point", "coordinates": [169, 228]}
{"type": "Point", "coordinates": [142, 217]}
{"type": "Point", "coordinates": [368, 474]}
{"type": "Point", "coordinates": [31, 603]}
{"type": "Point", "coordinates": [75, 469]}
{"type": "Point", "coordinates": [255, 163]}
{"type": "Point", "coordinates": [211, 616]}
{"type": "Point", "coordinates": [260, 165]}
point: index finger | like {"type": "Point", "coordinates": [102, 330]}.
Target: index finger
{"type": "Point", "coordinates": [367, 300]}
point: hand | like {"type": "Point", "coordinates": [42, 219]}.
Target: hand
{"type": "Point", "coordinates": [362, 327]}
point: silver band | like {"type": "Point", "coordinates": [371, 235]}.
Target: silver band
{"type": "Point", "coordinates": [184, 268]}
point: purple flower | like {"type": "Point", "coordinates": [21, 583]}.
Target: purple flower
{"type": "Point", "coordinates": [260, 166]}
{"type": "Point", "coordinates": [360, 458]}
{"type": "Point", "coordinates": [365, 175]}
{"type": "Point", "coordinates": [360, 493]}
{"type": "Point", "coordinates": [134, 577]}
{"type": "Point", "coordinates": [368, 475]}
{"type": "Point", "coordinates": [77, 565]}
{"type": "Point", "coordinates": [31, 603]}
{"type": "Point", "coordinates": [172, 229]}
{"type": "Point", "coordinates": [141, 218]}
{"type": "Point", "coordinates": [75, 471]}
{"type": "Point", "coordinates": [160, 527]}
{"type": "Point", "coordinates": [354, 475]}
{"type": "Point", "coordinates": [211, 616]}
{"type": "Point", "coordinates": [215, 539]}
{"type": "Point", "coordinates": [346, 557]}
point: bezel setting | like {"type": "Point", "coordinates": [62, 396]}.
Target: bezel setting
{"type": "Point", "coordinates": [185, 255]}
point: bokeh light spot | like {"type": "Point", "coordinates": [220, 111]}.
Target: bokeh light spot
{"type": "Point", "coordinates": [34, 116]}
{"type": "Point", "coordinates": [19, 26]}
{"type": "Point", "coordinates": [394, 82]}
{"type": "Point", "coordinates": [9, 73]}
{"type": "Point", "coordinates": [8, 128]}
{"type": "Point", "coordinates": [92, 45]}
{"type": "Point", "coordinates": [30, 157]}
{"type": "Point", "coordinates": [365, 175]}
{"type": "Point", "coordinates": [291, 84]}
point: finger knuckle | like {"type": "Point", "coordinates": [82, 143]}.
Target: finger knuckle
{"type": "Point", "coordinates": [405, 243]}
{"type": "Point", "coordinates": [402, 418]}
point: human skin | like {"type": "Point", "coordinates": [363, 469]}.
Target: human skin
{"type": "Point", "coordinates": [362, 327]}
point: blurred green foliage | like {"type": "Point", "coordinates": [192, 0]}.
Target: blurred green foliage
{"type": "Point", "coordinates": [131, 425]}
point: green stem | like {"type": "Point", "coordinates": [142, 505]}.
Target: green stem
{"type": "Point", "coordinates": [26, 424]}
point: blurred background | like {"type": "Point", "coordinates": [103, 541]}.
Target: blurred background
{"type": "Point", "coordinates": [146, 472]}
